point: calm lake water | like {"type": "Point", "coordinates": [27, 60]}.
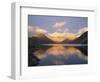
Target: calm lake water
{"type": "Point", "coordinates": [57, 54]}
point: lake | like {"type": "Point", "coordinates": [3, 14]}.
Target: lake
{"type": "Point", "coordinates": [58, 54]}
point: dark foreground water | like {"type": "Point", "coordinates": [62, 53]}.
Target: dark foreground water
{"type": "Point", "coordinates": [57, 54]}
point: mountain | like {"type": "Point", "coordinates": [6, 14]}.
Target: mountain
{"type": "Point", "coordinates": [42, 39]}
{"type": "Point", "coordinates": [80, 40]}
{"type": "Point", "coordinates": [32, 41]}
{"type": "Point", "coordinates": [66, 41]}
{"type": "Point", "coordinates": [83, 39]}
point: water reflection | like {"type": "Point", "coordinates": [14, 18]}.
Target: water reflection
{"type": "Point", "coordinates": [58, 55]}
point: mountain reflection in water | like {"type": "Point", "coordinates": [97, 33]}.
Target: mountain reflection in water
{"type": "Point", "coordinates": [58, 55]}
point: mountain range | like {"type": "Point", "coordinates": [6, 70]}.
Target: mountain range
{"type": "Point", "coordinates": [45, 40]}
{"type": "Point", "coordinates": [83, 39]}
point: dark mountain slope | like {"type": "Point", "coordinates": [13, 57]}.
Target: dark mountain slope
{"type": "Point", "coordinates": [32, 41]}
{"type": "Point", "coordinates": [83, 39]}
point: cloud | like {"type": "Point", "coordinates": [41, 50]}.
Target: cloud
{"type": "Point", "coordinates": [30, 29]}
{"type": "Point", "coordinates": [81, 31]}
{"type": "Point", "coordinates": [66, 34]}
{"type": "Point", "coordinates": [39, 30]}
{"type": "Point", "coordinates": [57, 36]}
{"type": "Point", "coordinates": [71, 36]}
{"type": "Point", "coordinates": [59, 25]}
{"type": "Point", "coordinates": [35, 31]}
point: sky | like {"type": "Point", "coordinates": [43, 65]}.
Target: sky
{"type": "Point", "coordinates": [57, 28]}
{"type": "Point", "coordinates": [47, 22]}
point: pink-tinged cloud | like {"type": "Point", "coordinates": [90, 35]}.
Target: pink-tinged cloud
{"type": "Point", "coordinates": [30, 29]}
{"type": "Point", "coordinates": [59, 25]}
{"type": "Point", "coordinates": [39, 30]}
